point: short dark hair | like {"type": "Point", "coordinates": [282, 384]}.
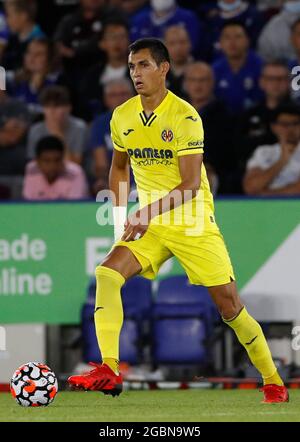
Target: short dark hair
{"type": "Point", "coordinates": [49, 143]}
{"type": "Point", "coordinates": [238, 23]}
{"type": "Point", "coordinates": [55, 96]}
{"type": "Point", "coordinates": [289, 108]}
{"type": "Point", "coordinates": [276, 63]}
{"type": "Point", "coordinates": [28, 7]}
{"type": "Point", "coordinates": [45, 42]}
{"type": "Point", "coordinates": [157, 49]}
{"type": "Point", "coordinates": [117, 21]}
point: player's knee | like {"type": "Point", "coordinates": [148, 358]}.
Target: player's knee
{"type": "Point", "coordinates": [230, 306]}
{"type": "Point", "coordinates": [123, 261]}
{"type": "Point", "coordinates": [113, 263]}
{"type": "Point", "coordinates": [230, 312]}
{"type": "Point", "coordinates": [106, 271]}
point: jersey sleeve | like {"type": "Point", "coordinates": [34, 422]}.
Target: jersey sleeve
{"type": "Point", "coordinates": [115, 137]}
{"type": "Point", "coordinates": [190, 136]}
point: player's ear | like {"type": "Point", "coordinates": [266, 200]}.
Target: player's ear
{"type": "Point", "coordinates": [165, 66]}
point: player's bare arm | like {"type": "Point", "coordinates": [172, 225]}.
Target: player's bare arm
{"type": "Point", "coordinates": [190, 172]}
{"type": "Point", "coordinates": [119, 173]}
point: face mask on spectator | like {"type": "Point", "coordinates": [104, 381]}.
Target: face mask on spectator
{"type": "Point", "coordinates": [293, 7]}
{"type": "Point", "coordinates": [162, 5]}
{"type": "Point", "coordinates": [229, 7]}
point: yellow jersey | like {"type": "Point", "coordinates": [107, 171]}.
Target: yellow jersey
{"type": "Point", "coordinates": [154, 144]}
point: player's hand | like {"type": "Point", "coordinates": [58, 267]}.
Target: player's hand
{"type": "Point", "coordinates": [136, 226]}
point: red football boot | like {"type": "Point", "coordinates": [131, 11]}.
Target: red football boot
{"type": "Point", "coordinates": [101, 378]}
{"type": "Point", "coordinates": [274, 394]}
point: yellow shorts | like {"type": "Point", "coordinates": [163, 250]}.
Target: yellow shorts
{"type": "Point", "coordinates": [204, 258]}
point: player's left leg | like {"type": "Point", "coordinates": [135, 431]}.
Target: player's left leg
{"type": "Point", "coordinates": [206, 261]}
{"type": "Point", "coordinates": [250, 335]}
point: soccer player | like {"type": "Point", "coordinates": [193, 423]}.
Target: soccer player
{"type": "Point", "coordinates": [162, 137]}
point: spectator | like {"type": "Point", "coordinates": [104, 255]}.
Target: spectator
{"type": "Point", "coordinates": [213, 178]}
{"type": "Point", "coordinates": [20, 16]}
{"type": "Point", "coordinates": [114, 43]}
{"type": "Point", "coordinates": [56, 104]}
{"type": "Point", "coordinates": [238, 10]}
{"type": "Point", "coordinates": [51, 12]}
{"type": "Point", "coordinates": [179, 46]}
{"type": "Point", "coordinates": [295, 39]}
{"type": "Point", "coordinates": [255, 125]}
{"type": "Point", "coordinates": [50, 177]}
{"type": "Point", "coordinates": [199, 87]}
{"type": "Point", "coordinates": [100, 145]}
{"type": "Point", "coordinates": [78, 34]}
{"type": "Point", "coordinates": [269, 5]}
{"type": "Point", "coordinates": [275, 39]}
{"type": "Point", "coordinates": [237, 72]}
{"type": "Point", "coordinates": [165, 13]}
{"type": "Point", "coordinates": [14, 123]}
{"type": "Point", "coordinates": [37, 72]}
{"type": "Point", "coordinates": [4, 33]}
{"type": "Point", "coordinates": [131, 8]}
{"type": "Point", "coordinates": [275, 169]}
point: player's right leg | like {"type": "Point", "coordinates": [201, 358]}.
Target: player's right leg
{"type": "Point", "coordinates": [119, 265]}
{"type": "Point", "coordinates": [143, 256]}
{"type": "Point", "coordinates": [251, 337]}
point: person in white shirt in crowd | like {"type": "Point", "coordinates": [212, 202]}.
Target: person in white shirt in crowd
{"type": "Point", "coordinates": [275, 169]}
{"type": "Point", "coordinates": [275, 39]}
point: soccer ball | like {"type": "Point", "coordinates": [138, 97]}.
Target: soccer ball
{"type": "Point", "coordinates": [33, 385]}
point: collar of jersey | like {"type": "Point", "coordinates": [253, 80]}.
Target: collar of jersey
{"type": "Point", "coordinates": [159, 108]}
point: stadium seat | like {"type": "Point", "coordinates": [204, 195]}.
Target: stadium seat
{"type": "Point", "coordinates": [137, 304]}
{"type": "Point", "coordinates": [137, 298]}
{"type": "Point", "coordinates": [179, 341]}
{"type": "Point", "coordinates": [183, 317]}
{"type": "Point", "coordinates": [185, 298]}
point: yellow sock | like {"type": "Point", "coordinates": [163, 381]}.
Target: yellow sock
{"type": "Point", "coordinates": [109, 314]}
{"type": "Point", "coordinates": [275, 379]}
{"type": "Point", "coordinates": [112, 363]}
{"type": "Point", "coordinates": [250, 335]}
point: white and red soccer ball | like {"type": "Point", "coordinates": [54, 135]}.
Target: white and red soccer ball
{"type": "Point", "coordinates": [33, 385]}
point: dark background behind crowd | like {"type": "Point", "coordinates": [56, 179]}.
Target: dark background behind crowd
{"type": "Point", "coordinates": [66, 69]}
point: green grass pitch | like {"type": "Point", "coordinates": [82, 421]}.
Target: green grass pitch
{"type": "Point", "coordinates": [156, 406]}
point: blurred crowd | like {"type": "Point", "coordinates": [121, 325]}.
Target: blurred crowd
{"type": "Point", "coordinates": [66, 70]}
